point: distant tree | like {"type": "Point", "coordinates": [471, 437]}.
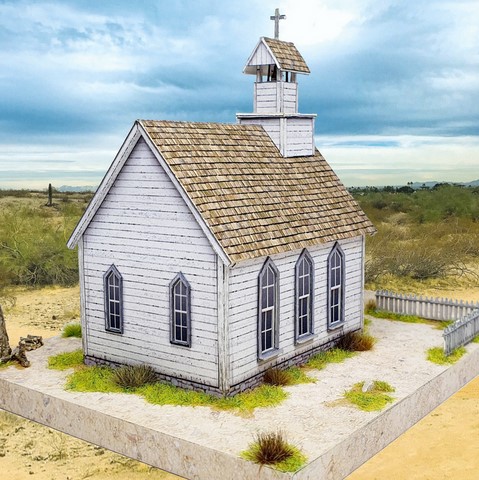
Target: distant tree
{"type": "Point", "coordinates": [406, 189]}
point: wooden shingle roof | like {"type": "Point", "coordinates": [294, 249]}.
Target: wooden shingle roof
{"type": "Point", "coordinates": [254, 201]}
{"type": "Point", "coordinates": [287, 55]}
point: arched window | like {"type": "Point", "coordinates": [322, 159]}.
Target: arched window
{"type": "Point", "coordinates": [180, 301]}
{"type": "Point", "coordinates": [335, 287]}
{"type": "Point", "coordinates": [268, 303]}
{"type": "Point", "coordinates": [304, 278]}
{"type": "Point", "coordinates": [113, 288]}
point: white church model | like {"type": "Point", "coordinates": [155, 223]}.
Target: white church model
{"type": "Point", "coordinates": [213, 252]}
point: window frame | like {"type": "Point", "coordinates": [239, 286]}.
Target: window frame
{"type": "Point", "coordinates": [274, 350]}
{"type": "Point", "coordinates": [341, 287]}
{"type": "Point", "coordinates": [300, 337]}
{"type": "Point", "coordinates": [106, 289]}
{"type": "Point", "coordinates": [173, 324]}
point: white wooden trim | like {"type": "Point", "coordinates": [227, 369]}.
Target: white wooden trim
{"type": "Point", "coordinates": [105, 185]}
{"type": "Point", "coordinates": [223, 326]}
{"type": "Point", "coordinates": [261, 41]}
{"type": "Point", "coordinates": [201, 222]}
{"type": "Point", "coordinates": [81, 273]}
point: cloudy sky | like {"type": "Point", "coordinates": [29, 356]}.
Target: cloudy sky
{"type": "Point", "coordinates": [395, 84]}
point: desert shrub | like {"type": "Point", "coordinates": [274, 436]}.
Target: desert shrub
{"type": "Point", "coordinates": [72, 330]}
{"type": "Point", "coordinates": [356, 342]}
{"type": "Point", "coordinates": [273, 449]}
{"type": "Point", "coordinates": [134, 376]}
{"type": "Point", "coordinates": [33, 246]}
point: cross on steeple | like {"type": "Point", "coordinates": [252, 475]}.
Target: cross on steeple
{"type": "Point", "coordinates": [277, 17]}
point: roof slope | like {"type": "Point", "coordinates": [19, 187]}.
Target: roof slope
{"type": "Point", "coordinates": [255, 201]}
{"type": "Point", "coordinates": [287, 55]}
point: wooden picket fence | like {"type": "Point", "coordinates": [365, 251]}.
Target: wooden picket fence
{"type": "Point", "coordinates": [464, 314]}
{"type": "Point", "coordinates": [461, 332]}
{"type": "Point", "coordinates": [425, 307]}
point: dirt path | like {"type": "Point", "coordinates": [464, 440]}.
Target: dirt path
{"type": "Point", "coordinates": [442, 446]}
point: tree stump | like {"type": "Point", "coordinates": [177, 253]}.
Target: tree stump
{"type": "Point", "coordinates": [30, 342]}
{"type": "Point", "coordinates": [5, 349]}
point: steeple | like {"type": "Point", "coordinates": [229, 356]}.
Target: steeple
{"type": "Point", "coordinates": [276, 64]}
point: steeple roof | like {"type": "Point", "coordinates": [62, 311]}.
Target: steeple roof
{"type": "Point", "coordinates": [270, 51]}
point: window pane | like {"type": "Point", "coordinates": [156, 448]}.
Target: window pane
{"type": "Point", "coordinates": [338, 277]}
{"type": "Point", "coordinates": [177, 318]}
{"type": "Point", "coordinates": [183, 303]}
{"type": "Point", "coordinates": [304, 326]}
{"type": "Point", "coordinates": [271, 296]}
{"type": "Point", "coordinates": [303, 306]}
{"type": "Point", "coordinates": [335, 297]}
{"type": "Point", "coordinates": [300, 287]}
{"type": "Point", "coordinates": [268, 340]}
{"type": "Point", "coordinates": [178, 333]}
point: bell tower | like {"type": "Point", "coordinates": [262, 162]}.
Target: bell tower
{"type": "Point", "coordinates": [276, 65]}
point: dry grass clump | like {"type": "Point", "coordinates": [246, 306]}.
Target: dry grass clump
{"type": "Point", "coordinates": [134, 376]}
{"type": "Point", "coordinates": [356, 342]}
{"type": "Point", "coordinates": [276, 376]}
{"type": "Point", "coordinates": [370, 306]}
{"type": "Point", "coordinates": [273, 449]}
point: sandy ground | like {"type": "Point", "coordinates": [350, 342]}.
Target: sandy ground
{"type": "Point", "coordinates": [29, 450]}
{"type": "Point", "coordinates": [443, 445]}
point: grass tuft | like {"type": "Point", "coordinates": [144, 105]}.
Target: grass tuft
{"type": "Point", "coordinates": [439, 324]}
{"type": "Point", "coordinates": [102, 379]}
{"type": "Point", "coordinates": [370, 305]}
{"type": "Point", "coordinates": [290, 376]}
{"type": "Point", "coordinates": [335, 355]}
{"type": "Point", "coordinates": [273, 449]}
{"type": "Point", "coordinates": [62, 361]}
{"type": "Point", "coordinates": [167, 394]}
{"type": "Point", "coordinates": [437, 355]}
{"type": "Point", "coordinates": [373, 400]}
{"type": "Point", "coordinates": [356, 342]}
{"type": "Point", "coordinates": [134, 376]}
{"type": "Point", "coordinates": [276, 376]}
{"type": "Point", "coordinates": [93, 379]}
{"type": "Point", "coordinates": [72, 330]}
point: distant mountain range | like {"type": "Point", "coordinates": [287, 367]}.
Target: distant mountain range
{"type": "Point", "coordinates": [416, 185]}
{"type": "Point", "coordinates": [84, 188]}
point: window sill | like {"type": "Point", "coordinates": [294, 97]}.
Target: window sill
{"type": "Point", "coordinates": [180, 344]}
{"type": "Point", "coordinates": [305, 339]}
{"type": "Point", "coordinates": [116, 332]}
{"type": "Point", "coordinates": [272, 354]}
{"type": "Point", "coordinates": [336, 326]}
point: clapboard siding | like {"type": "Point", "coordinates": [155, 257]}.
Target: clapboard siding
{"type": "Point", "coordinates": [261, 56]}
{"type": "Point", "coordinates": [146, 230]}
{"type": "Point", "coordinates": [299, 134]}
{"type": "Point", "coordinates": [276, 97]}
{"type": "Point", "coordinates": [243, 307]}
